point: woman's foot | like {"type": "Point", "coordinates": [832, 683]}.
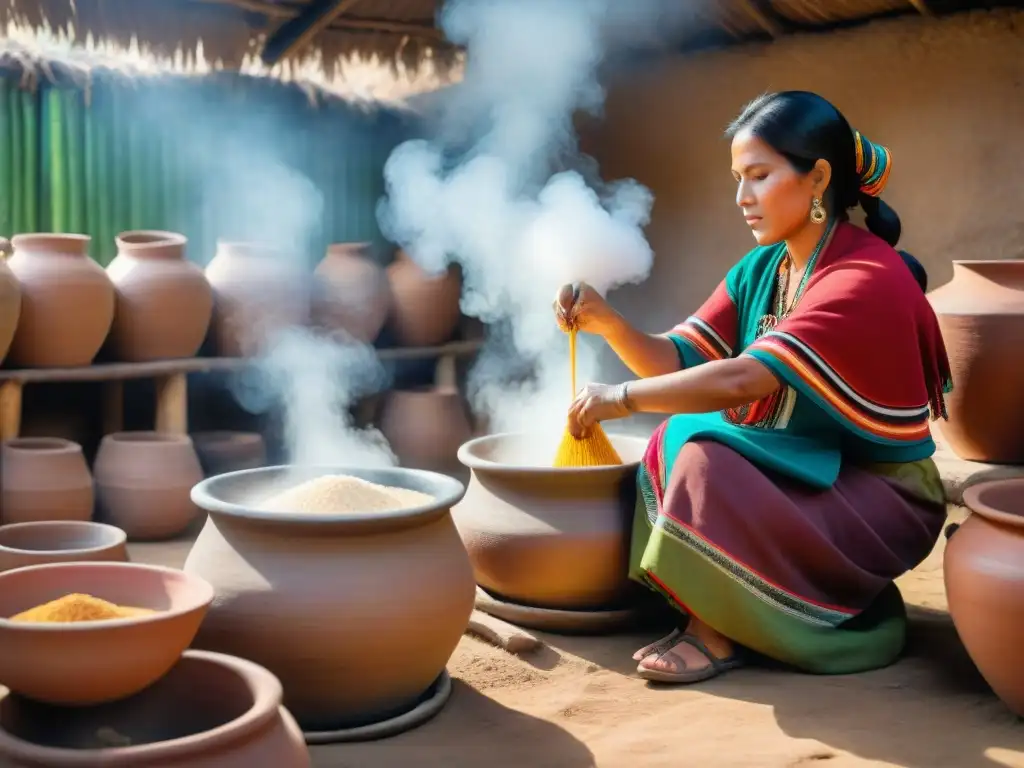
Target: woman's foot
{"type": "Point", "coordinates": [658, 646]}
{"type": "Point", "coordinates": [699, 654]}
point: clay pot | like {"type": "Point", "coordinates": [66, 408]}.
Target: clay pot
{"type": "Point", "coordinates": [224, 451]}
{"type": "Point", "coordinates": [44, 478]}
{"type": "Point", "coordinates": [60, 541]}
{"type": "Point", "coordinates": [546, 537]}
{"type": "Point", "coordinates": [210, 711]}
{"type": "Point", "coordinates": [143, 482]}
{"type": "Point", "coordinates": [86, 663]}
{"type": "Point", "coordinates": [10, 304]}
{"type": "Point", "coordinates": [257, 291]}
{"type": "Point", "coordinates": [425, 427]}
{"type": "Point", "coordinates": [981, 313]}
{"type": "Point", "coordinates": [67, 302]}
{"type": "Point", "coordinates": [164, 303]}
{"type": "Point", "coordinates": [984, 573]}
{"type": "Point", "coordinates": [426, 307]}
{"type": "Point", "coordinates": [355, 296]}
{"type": "Point", "coordinates": [312, 597]}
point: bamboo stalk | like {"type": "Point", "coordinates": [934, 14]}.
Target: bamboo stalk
{"type": "Point", "coordinates": [91, 188]}
{"type": "Point", "coordinates": [7, 189]}
{"type": "Point", "coordinates": [18, 191]}
{"type": "Point", "coordinates": [105, 191]}
{"type": "Point", "coordinates": [75, 165]}
{"type": "Point", "coordinates": [56, 152]}
{"type": "Point", "coordinates": [31, 104]}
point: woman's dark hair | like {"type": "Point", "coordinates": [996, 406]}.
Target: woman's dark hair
{"type": "Point", "coordinates": [803, 127]}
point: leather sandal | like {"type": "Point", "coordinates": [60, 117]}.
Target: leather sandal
{"type": "Point", "coordinates": [685, 675]}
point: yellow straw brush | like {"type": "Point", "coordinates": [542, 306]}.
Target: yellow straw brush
{"type": "Point", "coordinates": [593, 450]}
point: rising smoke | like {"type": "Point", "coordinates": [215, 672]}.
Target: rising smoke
{"type": "Point", "coordinates": [503, 190]}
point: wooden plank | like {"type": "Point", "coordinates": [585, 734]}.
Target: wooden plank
{"type": "Point", "coordinates": [113, 407]}
{"type": "Point", "coordinates": [921, 6]}
{"type": "Point", "coordinates": [10, 410]}
{"type": "Point", "coordinates": [765, 17]}
{"type": "Point", "coordinates": [295, 34]}
{"type": "Point", "coordinates": [123, 371]}
{"type": "Point", "coordinates": [172, 404]}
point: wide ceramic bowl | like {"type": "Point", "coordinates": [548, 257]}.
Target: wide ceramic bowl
{"type": "Point", "coordinates": [356, 613]}
{"type": "Point", "coordinates": [548, 537]}
{"type": "Point", "coordinates": [60, 541]}
{"type": "Point", "coordinates": [92, 662]}
{"type": "Point", "coordinates": [208, 711]}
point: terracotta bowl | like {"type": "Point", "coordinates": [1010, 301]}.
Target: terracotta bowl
{"type": "Point", "coordinates": [92, 662]}
{"type": "Point", "coordinates": [984, 572]}
{"type": "Point", "coordinates": [62, 541]}
{"type": "Point", "coordinates": [208, 711]}
{"type": "Point", "coordinates": [313, 598]}
{"type": "Point", "coordinates": [548, 537]}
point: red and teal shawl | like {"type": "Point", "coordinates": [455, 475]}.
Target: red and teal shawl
{"type": "Point", "coordinates": [861, 359]}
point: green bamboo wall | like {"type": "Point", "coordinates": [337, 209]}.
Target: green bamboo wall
{"type": "Point", "coordinates": [127, 153]}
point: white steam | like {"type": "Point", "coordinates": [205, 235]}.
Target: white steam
{"type": "Point", "coordinates": [500, 188]}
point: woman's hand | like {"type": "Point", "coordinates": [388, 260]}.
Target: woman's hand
{"type": "Point", "coordinates": [582, 307]}
{"type": "Point", "coordinates": [597, 403]}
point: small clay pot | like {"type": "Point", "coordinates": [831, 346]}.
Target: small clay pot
{"type": "Point", "coordinates": [61, 541]}
{"type": "Point", "coordinates": [546, 537]}
{"type": "Point", "coordinates": [44, 478]}
{"type": "Point", "coordinates": [225, 451]}
{"type": "Point", "coordinates": [984, 573]}
{"type": "Point", "coordinates": [355, 296]}
{"type": "Point", "coordinates": [257, 291]}
{"type": "Point", "coordinates": [209, 711]}
{"type": "Point", "coordinates": [311, 596]}
{"type": "Point", "coordinates": [425, 427]}
{"type": "Point", "coordinates": [92, 662]}
{"type": "Point", "coordinates": [164, 302]}
{"type": "Point", "coordinates": [67, 302]}
{"type": "Point", "coordinates": [143, 482]}
{"type": "Point", "coordinates": [425, 312]}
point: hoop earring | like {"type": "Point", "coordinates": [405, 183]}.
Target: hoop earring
{"type": "Point", "coordinates": [818, 214]}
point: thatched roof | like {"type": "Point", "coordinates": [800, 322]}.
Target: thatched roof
{"type": "Point", "coordinates": [280, 35]}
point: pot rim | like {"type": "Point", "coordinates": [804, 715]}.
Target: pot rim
{"type": "Point", "coordinates": [985, 262]}
{"type": "Point", "coordinates": [205, 595]}
{"type": "Point", "coordinates": [469, 459]}
{"type": "Point", "coordinates": [42, 445]}
{"type": "Point", "coordinates": [147, 437]}
{"type": "Point", "coordinates": [161, 239]}
{"type": "Point", "coordinates": [447, 493]}
{"type": "Point", "coordinates": [267, 694]}
{"type": "Point", "coordinates": [973, 500]}
{"type": "Point", "coordinates": [117, 536]}
{"type": "Point", "coordinates": [34, 238]}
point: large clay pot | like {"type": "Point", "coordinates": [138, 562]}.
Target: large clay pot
{"type": "Point", "coordinates": [60, 541]}
{"type": "Point", "coordinates": [426, 307]}
{"type": "Point", "coordinates": [10, 305]}
{"type": "Point", "coordinates": [312, 597]}
{"type": "Point", "coordinates": [355, 296]}
{"type": "Point", "coordinates": [258, 290]}
{"type": "Point", "coordinates": [164, 303]}
{"type": "Point", "coordinates": [981, 312]}
{"type": "Point", "coordinates": [44, 478]}
{"type": "Point", "coordinates": [984, 572]}
{"type": "Point", "coordinates": [144, 481]}
{"type": "Point", "coordinates": [209, 711]}
{"type": "Point", "coordinates": [546, 537]}
{"type": "Point", "coordinates": [425, 427]}
{"type": "Point", "coordinates": [224, 451]}
{"type": "Point", "coordinates": [67, 302]}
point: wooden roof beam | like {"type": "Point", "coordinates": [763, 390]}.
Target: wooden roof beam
{"type": "Point", "coordinates": [297, 33]}
{"type": "Point", "coordinates": [765, 17]}
{"type": "Point", "coordinates": [922, 7]}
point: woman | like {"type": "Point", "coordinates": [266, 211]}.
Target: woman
{"type": "Point", "coordinates": [795, 481]}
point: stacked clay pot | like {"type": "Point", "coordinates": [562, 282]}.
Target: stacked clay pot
{"type": "Point", "coordinates": [426, 306]}
{"type": "Point", "coordinates": [226, 451]}
{"type": "Point", "coordinates": [425, 427]}
{"type": "Point", "coordinates": [10, 304]}
{"type": "Point", "coordinates": [44, 478]}
{"type": "Point", "coordinates": [258, 290]}
{"type": "Point", "coordinates": [981, 313]}
{"type": "Point", "coordinates": [67, 302]}
{"type": "Point", "coordinates": [144, 481]}
{"type": "Point", "coordinates": [355, 296]}
{"type": "Point", "coordinates": [164, 302]}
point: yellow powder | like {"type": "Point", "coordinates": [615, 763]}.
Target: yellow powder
{"type": "Point", "coordinates": [594, 450]}
{"type": "Point", "coordinates": [79, 607]}
{"type": "Point", "coordinates": [340, 494]}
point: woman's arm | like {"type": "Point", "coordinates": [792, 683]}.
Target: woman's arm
{"type": "Point", "coordinates": [714, 386]}
{"type": "Point", "coordinates": [644, 354]}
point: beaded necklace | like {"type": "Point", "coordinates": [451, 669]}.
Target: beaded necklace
{"type": "Point", "coordinates": [781, 311]}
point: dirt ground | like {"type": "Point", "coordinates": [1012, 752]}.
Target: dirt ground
{"type": "Point", "coordinates": [578, 703]}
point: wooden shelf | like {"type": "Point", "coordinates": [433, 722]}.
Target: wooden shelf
{"type": "Point", "coordinates": [171, 379]}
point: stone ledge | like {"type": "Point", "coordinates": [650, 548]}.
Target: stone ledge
{"type": "Point", "coordinates": [959, 474]}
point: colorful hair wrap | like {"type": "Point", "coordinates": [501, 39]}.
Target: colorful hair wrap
{"type": "Point", "coordinates": [873, 165]}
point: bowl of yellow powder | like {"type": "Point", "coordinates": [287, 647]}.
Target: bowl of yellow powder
{"type": "Point", "coordinates": [94, 632]}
